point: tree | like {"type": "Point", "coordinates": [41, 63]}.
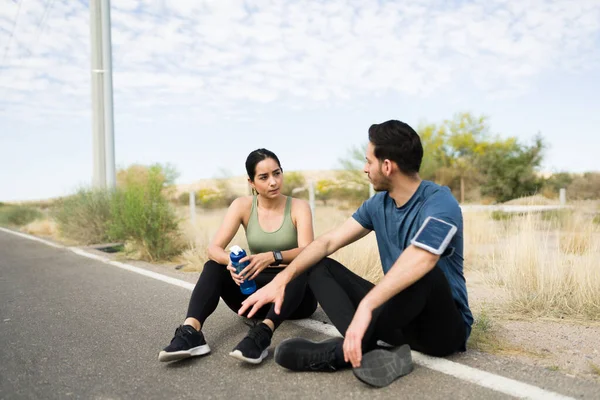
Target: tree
{"type": "Point", "coordinates": [293, 180]}
{"type": "Point", "coordinates": [353, 184]}
{"type": "Point", "coordinates": [510, 169]}
{"type": "Point", "coordinates": [324, 190]}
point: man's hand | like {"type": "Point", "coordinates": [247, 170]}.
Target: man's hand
{"type": "Point", "coordinates": [258, 262]}
{"type": "Point", "coordinates": [354, 335]}
{"type": "Point", "coordinates": [271, 293]}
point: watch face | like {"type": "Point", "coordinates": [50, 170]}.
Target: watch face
{"type": "Point", "coordinates": [278, 256]}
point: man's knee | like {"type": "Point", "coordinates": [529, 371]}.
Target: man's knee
{"type": "Point", "coordinates": [319, 269]}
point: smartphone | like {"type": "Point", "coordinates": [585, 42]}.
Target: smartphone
{"type": "Point", "coordinates": [434, 235]}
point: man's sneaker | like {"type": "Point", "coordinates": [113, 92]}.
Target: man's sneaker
{"type": "Point", "coordinates": [300, 354]}
{"type": "Point", "coordinates": [381, 367]}
{"type": "Point", "coordinates": [187, 342]}
{"type": "Point", "coordinates": [253, 348]}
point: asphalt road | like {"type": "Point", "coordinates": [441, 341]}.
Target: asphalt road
{"type": "Point", "coordinates": [72, 327]}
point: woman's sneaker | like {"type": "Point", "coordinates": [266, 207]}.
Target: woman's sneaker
{"type": "Point", "coordinates": [187, 342]}
{"type": "Point", "coordinates": [253, 348]}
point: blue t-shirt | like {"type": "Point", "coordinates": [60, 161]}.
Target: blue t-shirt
{"type": "Point", "coordinates": [395, 227]}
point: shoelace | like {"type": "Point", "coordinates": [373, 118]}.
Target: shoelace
{"type": "Point", "coordinates": [259, 336]}
{"type": "Point", "coordinates": [179, 333]}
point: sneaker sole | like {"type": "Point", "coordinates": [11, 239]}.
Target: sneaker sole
{"type": "Point", "coordinates": [238, 354]}
{"type": "Point", "coordinates": [380, 367]}
{"type": "Point", "coordinates": [165, 356]}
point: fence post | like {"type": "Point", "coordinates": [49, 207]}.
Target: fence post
{"type": "Point", "coordinates": [193, 208]}
{"type": "Point", "coordinates": [311, 198]}
{"type": "Point", "coordinates": [371, 190]}
{"type": "Point", "coordinates": [563, 196]}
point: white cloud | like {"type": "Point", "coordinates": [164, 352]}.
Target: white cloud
{"type": "Point", "coordinates": [177, 54]}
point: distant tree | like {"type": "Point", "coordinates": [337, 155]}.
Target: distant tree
{"type": "Point", "coordinates": [324, 190]}
{"type": "Point", "coordinates": [510, 169]}
{"type": "Point", "coordinates": [293, 180]}
{"type": "Point", "coordinates": [558, 181]}
{"type": "Point", "coordinates": [585, 187]}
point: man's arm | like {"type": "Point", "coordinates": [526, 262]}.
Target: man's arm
{"type": "Point", "coordinates": [350, 231]}
{"type": "Point", "coordinates": [413, 264]}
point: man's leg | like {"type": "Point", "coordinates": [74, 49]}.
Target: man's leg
{"type": "Point", "coordinates": [339, 291]}
{"type": "Point", "coordinates": [424, 316]}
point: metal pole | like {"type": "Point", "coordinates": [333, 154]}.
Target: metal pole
{"type": "Point", "coordinates": [109, 125]}
{"type": "Point", "coordinates": [311, 198]}
{"type": "Point", "coordinates": [102, 95]}
{"type": "Point", "coordinates": [99, 156]}
{"type": "Point", "coordinates": [193, 208]}
{"type": "Point", "coordinates": [563, 196]}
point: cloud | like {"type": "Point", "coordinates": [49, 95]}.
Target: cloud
{"type": "Point", "coordinates": [213, 54]}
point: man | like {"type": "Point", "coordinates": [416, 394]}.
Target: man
{"type": "Point", "coordinates": [422, 299]}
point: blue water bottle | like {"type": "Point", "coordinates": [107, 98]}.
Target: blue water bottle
{"type": "Point", "coordinates": [237, 253]}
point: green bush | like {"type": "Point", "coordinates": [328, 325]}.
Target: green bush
{"type": "Point", "coordinates": [502, 215]}
{"type": "Point", "coordinates": [142, 214]}
{"type": "Point", "coordinates": [183, 199]}
{"type": "Point", "coordinates": [84, 217]}
{"type": "Point", "coordinates": [18, 215]}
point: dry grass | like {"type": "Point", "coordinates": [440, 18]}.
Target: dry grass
{"type": "Point", "coordinates": [548, 267]}
{"type": "Point", "coordinates": [42, 227]}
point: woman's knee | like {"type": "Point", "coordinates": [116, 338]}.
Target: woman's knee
{"type": "Point", "coordinates": [213, 269]}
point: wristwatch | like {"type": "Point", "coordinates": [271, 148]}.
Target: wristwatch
{"type": "Point", "coordinates": [278, 257]}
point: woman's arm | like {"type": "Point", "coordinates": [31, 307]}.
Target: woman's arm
{"type": "Point", "coordinates": [229, 227]}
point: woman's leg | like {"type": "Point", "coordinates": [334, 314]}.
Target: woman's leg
{"type": "Point", "coordinates": [214, 282]}
{"type": "Point", "coordinates": [298, 302]}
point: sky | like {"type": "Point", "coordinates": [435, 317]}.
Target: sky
{"type": "Point", "coordinates": [200, 84]}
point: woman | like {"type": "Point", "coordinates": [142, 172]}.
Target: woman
{"type": "Point", "coordinates": [277, 228]}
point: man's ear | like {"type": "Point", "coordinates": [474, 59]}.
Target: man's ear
{"type": "Point", "coordinates": [387, 167]}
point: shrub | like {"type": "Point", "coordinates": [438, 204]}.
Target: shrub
{"type": "Point", "coordinates": [18, 215]}
{"type": "Point", "coordinates": [141, 213]}
{"type": "Point", "coordinates": [84, 217]}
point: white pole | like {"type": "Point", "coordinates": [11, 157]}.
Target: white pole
{"type": "Point", "coordinates": [311, 198]}
{"type": "Point", "coordinates": [99, 156]}
{"type": "Point", "coordinates": [109, 125]}
{"type": "Point", "coordinates": [102, 95]}
{"type": "Point", "coordinates": [193, 208]}
{"type": "Point", "coordinates": [371, 190]}
{"type": "Point", "coordinates": [563, 196]}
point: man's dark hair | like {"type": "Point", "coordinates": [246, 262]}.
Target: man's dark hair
{"type": "Point", "coordinates": [257, 156]}
{"type": "Point", "coordinates": [396, 141]}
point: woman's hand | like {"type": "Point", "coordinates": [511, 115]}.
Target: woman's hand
{"type": "Point", "coordinates": [258, 262]}
{"type": "Point", "coordinates": [238, 279]}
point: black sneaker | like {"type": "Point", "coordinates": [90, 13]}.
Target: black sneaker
{"type": "Point", "coordinates": [300, 354]}
{"type": "Point", "coordinates": [381, 367]}
{"type": "Point", "coordinates": [187, 342]}
{"type": "Point", "coordinates": [253, 348]}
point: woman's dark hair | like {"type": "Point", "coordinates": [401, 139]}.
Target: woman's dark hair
{"type": "Point", "coordinates": [398, 142]}
{"type": "Point", "coordinates": [257, 156]}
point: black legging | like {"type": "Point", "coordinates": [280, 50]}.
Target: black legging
{"type": "Point", "coordinates": [423, 315]}
{"type": "Point", "coordinates": [215, 281]}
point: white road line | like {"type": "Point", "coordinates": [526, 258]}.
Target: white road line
{"type": "Point", "coordinates": [482, 378]}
